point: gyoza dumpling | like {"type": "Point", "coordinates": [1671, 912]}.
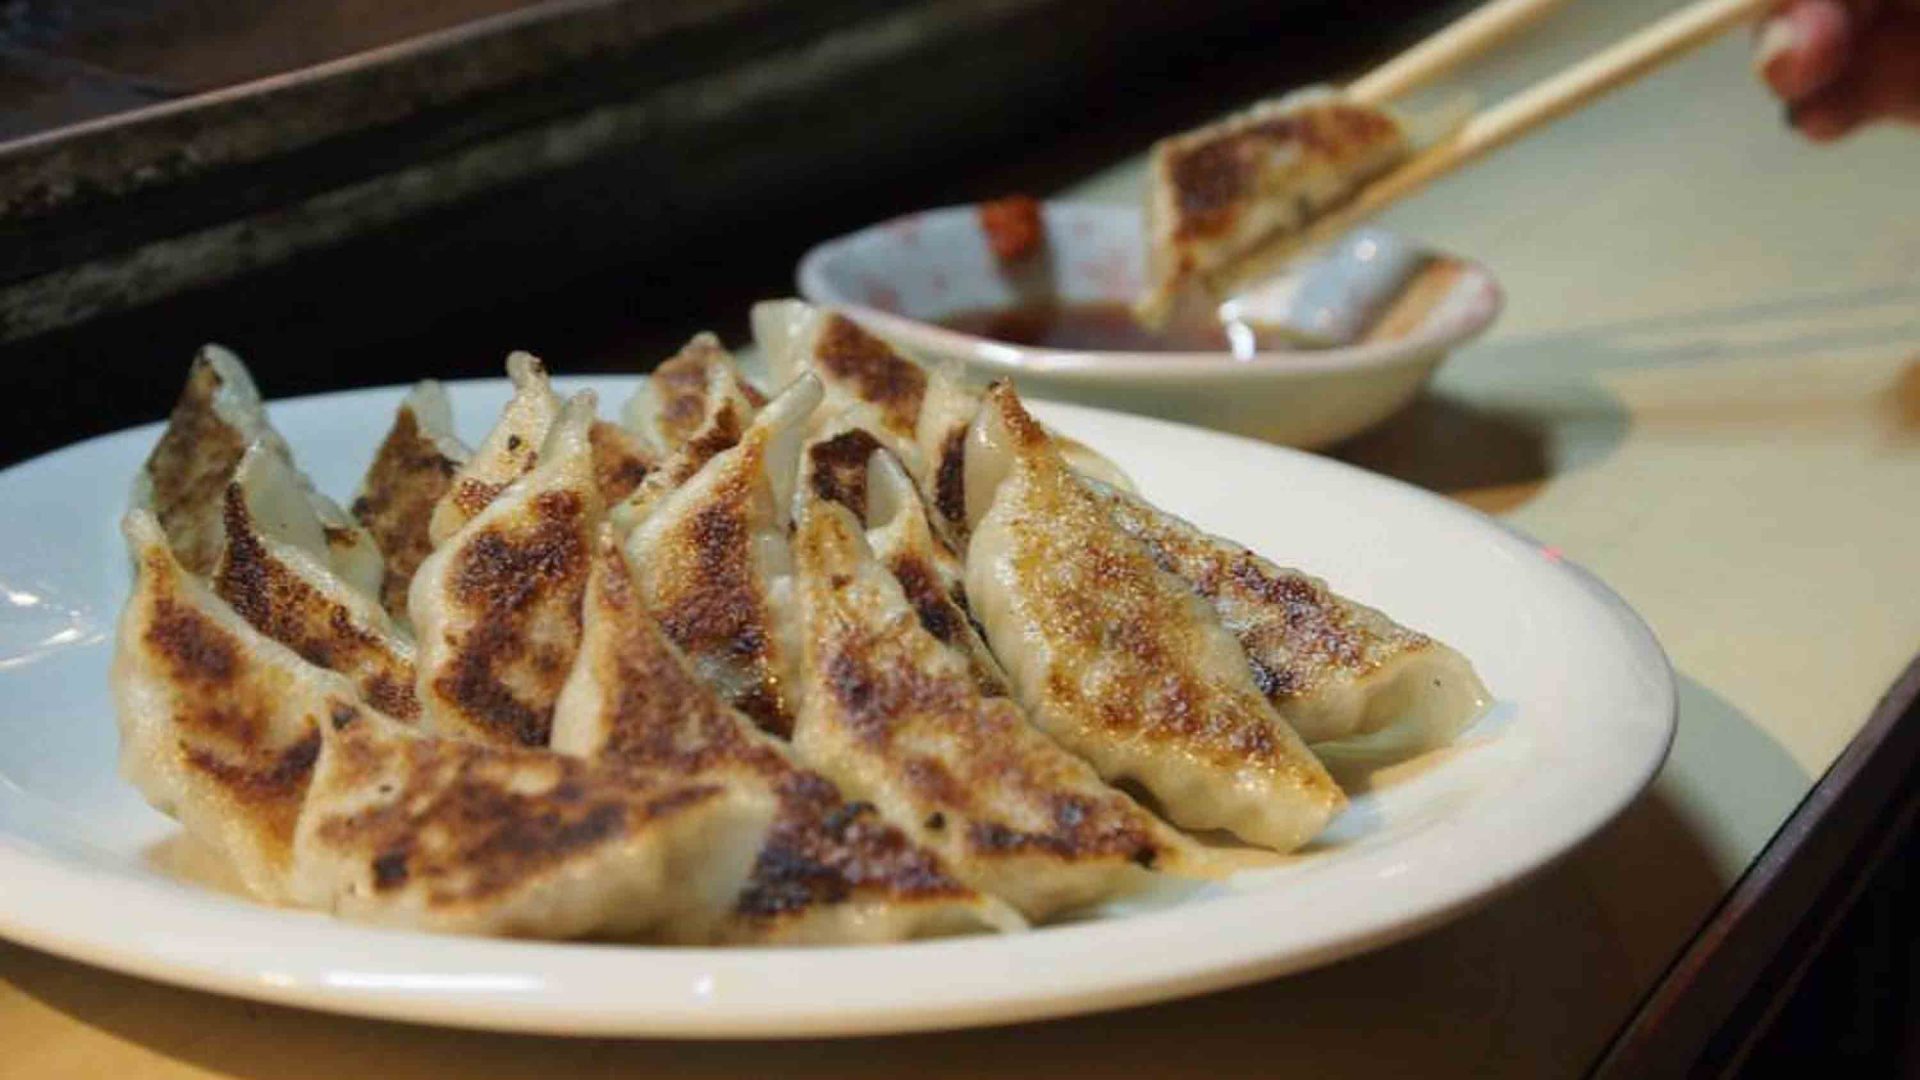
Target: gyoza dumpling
{"type": "Point", "coordinates": [682, 396]}
{"type": "Point", "coordinates": [920, 415]}
{"type": "Point", "coordinates": [447, 835]}
{"type": "Point", "coordinates": [1342, 674]}
{"type": "Point", "coordinates": [217, 416]}
{"type": "Point", "coordinates": [850, 468]}
{"type": "Point", "coordinates": [497, 606]}
{"type": "Point", "coordinates": [713, 563]}
{"type": "Point", "coordinates": [831, 871]}
{"type": "Point", "coordinates": [314, 798]}
{"type": "Point", "coordinates": [272, 573]}
{"type": "Point", "coordinates": [511, 449]}
{"type": "Point", "coordinates": [219, 727]}
{"type": "Point", "coordinates": [893, 715]}
{"type": "Point", "coordinates": [1220, 194]}
{"type": "Point", "coordinates": [411, 472]}
{"type": "Point", "coordinates": [727, 405]}
{"type": "Point", "coordinates": [1116, 658]}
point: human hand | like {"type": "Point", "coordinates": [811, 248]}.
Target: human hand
{"type": "Point", "coordinates": [1840, 64]}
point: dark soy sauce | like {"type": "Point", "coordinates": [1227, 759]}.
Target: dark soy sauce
{"type": "Point", "coordinates": [1099, 326]}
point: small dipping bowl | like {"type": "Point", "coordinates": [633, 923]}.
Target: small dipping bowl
{"type": "Point", "coordinates": [902, 276]}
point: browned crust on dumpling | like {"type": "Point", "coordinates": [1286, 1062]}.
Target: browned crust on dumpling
{"type": "Point", "coordinates": [224, 715]}
{"type": "Point", "coordinates": [725, 617]}
{"type": "Point", "coordinates": [508, 577]}
{"type": "Point", "coordinates": [409, 475]}
{"type": "Point", "coordinates": [620, 461]}
{"type": "Point", "coordinates": [876, 683]}
{"type": "Point", "coordinates": [1104, 600]}
{"type": "Point", "coordinates": [718, 435]}
{"type": "Point", "coordinates": [1215, 176]}
{"type": "Point", "coordinates": [949, 482]}
{"type": "Point", "coordinates": [289, 610]}
{"type": "Point", "coordinates": [682, 389]}
{"type": "Point", "coordinates": [466, 824]}
{"type": "Point", "coordinates": [1298, 635]}
{"type": "Point", "coordinates": [836, 468]}
{"type": "Point", "coordinates": [189, 469]}
{"type": "Point", "coordinates": [892, 384]}
{"type": "Point", "coordinates": [821, 849]}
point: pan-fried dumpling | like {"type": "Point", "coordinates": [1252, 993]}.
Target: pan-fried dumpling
{"type": "Point", "coordinates": [893, 715]}
{"type": "Point", "coordinates": [510, 451]}
{"type": "Point", "coordinates": [831, 871]}
{"type": "Point", "coordinates": [727, 406]}
{"type": "Point", "coordinates": [270, 573]}
{"type": "Point", "coordinates": [447, 835]}
{"type": "Point", "coordinates": [1342, 674]}
{"type": "Point", "coordinates": [920, 415]}
{"type": "Point", "coordinates": [411, 472]}
{"type": "Point", "coordinates": [497, 605]}
{"type": "Point", "coordinates": [218, 415]}
{"type": "Point", "coordinates": [713, 562]}
{"type": "Point", "coordinates": [683, 395]}
{"type": "Point", "coordinates": [1119, 660]}
{"type": "Point", "coordinates": [314, 798]}
{"type": "Point", "coordinates": [219, 726]}
{"type": "Point", "coordinates": [1220, 194]}
{"type": "Point", "coordinates": [849, 467]}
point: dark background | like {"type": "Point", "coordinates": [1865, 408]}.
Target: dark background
{"type": "Point", "coordinates": [610, 264]}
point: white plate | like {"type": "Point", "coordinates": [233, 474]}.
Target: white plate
{"type": "Point", "coordinates": [1584, 717]}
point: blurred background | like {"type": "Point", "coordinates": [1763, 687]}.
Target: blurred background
{"type": "Point", "coordinates": [352, 192]}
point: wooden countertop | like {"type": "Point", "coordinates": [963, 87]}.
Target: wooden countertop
{"type": "Point", "coordinates": [1706, 389]}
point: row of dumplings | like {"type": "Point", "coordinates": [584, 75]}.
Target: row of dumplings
{"type": "Point", "coordinates": [868, 660]}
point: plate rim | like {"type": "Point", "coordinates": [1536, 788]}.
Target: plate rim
{"type": "Point", "coordinates": [707, 1010]}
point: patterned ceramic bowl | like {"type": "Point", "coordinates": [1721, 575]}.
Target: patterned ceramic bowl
{"type": "Point", "coordinates": [902, 276]}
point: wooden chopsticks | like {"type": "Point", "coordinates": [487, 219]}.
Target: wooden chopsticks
{"type": "Point", "coordinates": [1465, 38]}
{"type": "Point", "coordinates": [1534, 107]}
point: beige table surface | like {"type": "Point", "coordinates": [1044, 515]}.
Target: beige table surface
{"type": "Point", "coordinates": [1706, 388]}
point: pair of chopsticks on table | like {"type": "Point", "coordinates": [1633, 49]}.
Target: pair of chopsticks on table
{"type": "Point", "coordinates": [1545, 101]}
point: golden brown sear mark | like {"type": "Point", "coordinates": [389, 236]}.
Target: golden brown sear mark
{"type": "Point", "coordinates": [466, 823]}
{"type": "Point", "coordinates": [878, 686]}
{"type": "Point", "coordinates": [725, 618]}
{"type": "Point", "coordinates": [1213, 180]}
{"type": "Point", "coordinates": [272, 793]}
{"type": "Point", "coordinates": [225, 713]}
{"type": "Point", "coordinates": [890, 382]}
{"type": "Point", "coordinates": [190, 467]}
{"type": "Point", "coordinates": [837, 468]}
{"type": "Point", "coordinates": [949, 485]}
{"type": "Point", "coordinates": [825, 850]}
{"type": "Point", "coordinates": [821, 849]}
{"type": "Point", "coordinates": [408, 476]}
{"type": "Point", "coordinates": [938, 612]}
{"type": "Point", "coordinates": [1295, 630]}
{"type": "Point", "coordinates": [196, 651]}
{"type": "Point", "coordinates": [281, 605]}
{"type": "Point", "coordinates": [620, 461]}
{"type": "Point", "coordinates": [507, 580]}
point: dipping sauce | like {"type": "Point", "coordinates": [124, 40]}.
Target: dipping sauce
{"type": "Point", "coordinates": [1369, 288]}
{"type": "Point", "coordinates": [1097, 326]}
